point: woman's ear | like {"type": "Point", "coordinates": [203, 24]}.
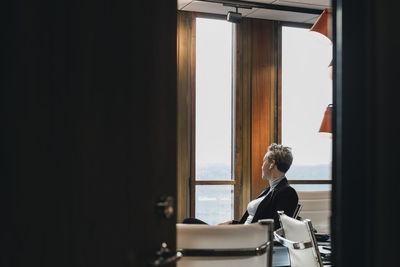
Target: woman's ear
{"type": "Point", "coordinates": [271, 166]}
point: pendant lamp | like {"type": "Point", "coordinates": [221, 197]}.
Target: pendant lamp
{"type": "Point", "coordinates": [323, 26]}
{"type": "Point", "coordinates": [326, 125]}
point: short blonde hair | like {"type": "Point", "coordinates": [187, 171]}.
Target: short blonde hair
{"type": "Point", "coordinates": [282, 155]}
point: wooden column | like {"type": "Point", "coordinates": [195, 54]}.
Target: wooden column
{"type": "Point", "coordinates": [185, 72]}
{"type": "Point", "coordinates": [263, 98]}
{"type": "Point", "coordinates": [256, 83]}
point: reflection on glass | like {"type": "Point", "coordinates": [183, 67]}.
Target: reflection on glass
{"type": "Point", "coordinates": [214, 203]}
{"type": "Point", "coordinates": [306, 92]}
{"type": "Point", "coordinates": [213, 99]}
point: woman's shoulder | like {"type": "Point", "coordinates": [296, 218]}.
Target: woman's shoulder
{"type": "Point", "coordinates": [286, 189]}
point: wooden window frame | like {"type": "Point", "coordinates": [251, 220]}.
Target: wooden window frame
{"type": "Point", "coordinates": [279, 104]}
{"type": "Point", "coordinates": [244, 189]}
{"type": "Point", "coordinates": [193, 182]}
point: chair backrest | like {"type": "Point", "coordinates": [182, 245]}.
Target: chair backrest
{"type": "Point", "coordinates": [316, 206]}
{"type": "Point", "coordinates": [225, 245]}
{"type": "Point", "coordinates": [297, 210]}
{"type": "Point", "coordinates": [299, 238]}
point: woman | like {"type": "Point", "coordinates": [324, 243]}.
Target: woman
{"type": "Point", "coordinates": [279, 196]}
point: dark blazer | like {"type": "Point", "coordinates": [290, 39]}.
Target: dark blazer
{"type": "Point", "coordinates": [284, 197]}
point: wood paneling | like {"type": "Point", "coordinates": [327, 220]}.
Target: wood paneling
{"type": "Point", "coordinates": [263, 99]}
{"type": "Point", "coordinates": [256, 98]}
{"type": "Point", "coordinates": [242, 134]}
{"type": "Point", "coordinates": [185, 76]}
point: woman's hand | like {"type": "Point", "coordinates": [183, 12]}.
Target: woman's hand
{"type": "Point", "coordinates": [226, 223]}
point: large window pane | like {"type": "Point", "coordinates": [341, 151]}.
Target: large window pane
{"type": "Point", "coordinates": [213, 99]}
{"type": "Point", "coordinates": [306, 92]}
{"type": "Point", "coordinates": [214, 203]}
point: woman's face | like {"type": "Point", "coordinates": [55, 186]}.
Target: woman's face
{"type": "Point", "coordinates": [266, 170]}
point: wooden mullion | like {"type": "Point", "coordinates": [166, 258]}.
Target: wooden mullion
{"type": "Point", "coordinates": [310, 181]}
{"type": "Point", "coordinates": [214, 182]}
{"type": "Point", "coordinates": [193, 121]}
{"type": "Point", "coordinates": [279, 83]}
{"type": "Point", "coordinates": [237, 144]}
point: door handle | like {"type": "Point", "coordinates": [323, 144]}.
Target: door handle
{"type": "Point", "coordinates": [165, 256]}
{"type": "Point", "coordinates": [165, 206]}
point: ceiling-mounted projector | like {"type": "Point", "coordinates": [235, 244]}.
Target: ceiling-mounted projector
{"type": "Point", "coordinates": [234, 17]}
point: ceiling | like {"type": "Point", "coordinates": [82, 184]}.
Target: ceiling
{"type": "Point", "coordinates": [217, 8]}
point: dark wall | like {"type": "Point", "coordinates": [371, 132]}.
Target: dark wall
{"type": "Point", "coordinates": [88, 131]}
{"type": "Point", "coordinates": [366, 192]}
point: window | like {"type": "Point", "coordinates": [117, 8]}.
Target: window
{"type": "Point", "coordinates": [213, 187]}
{"type": "Point", "coordinates": [306, 91]}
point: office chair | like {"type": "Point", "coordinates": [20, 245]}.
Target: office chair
{"type": "Point", "coordinates": [317, 208]}
{"type": "Point", "coordinates": [225, 245]}
{"type": "Point", "coordinates": [300, 240]}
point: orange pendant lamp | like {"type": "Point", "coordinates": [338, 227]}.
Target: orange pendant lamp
{"type": "Point", "coordinates": [323, 26]}
{"type": "Point", "coordinates": [326, 125]}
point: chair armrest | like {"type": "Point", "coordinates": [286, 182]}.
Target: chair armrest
{"type": "Point", "coordinates": [234, 252]}
{"type": "Point", "coordinates": [290, 244]}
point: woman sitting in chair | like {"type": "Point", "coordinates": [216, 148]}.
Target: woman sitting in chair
{"type": "Point", "coordinates": [279, 196]}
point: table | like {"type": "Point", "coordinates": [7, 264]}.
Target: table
{"type": "Point", "coordinates": [280, 256]}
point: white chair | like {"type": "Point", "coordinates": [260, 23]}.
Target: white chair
{"type": "Point", "coordinates": [300, 240]}
{"type": "Point", "coordinates": [316, 206]}
{"type": "Point", "coordinates": [225, 245]}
